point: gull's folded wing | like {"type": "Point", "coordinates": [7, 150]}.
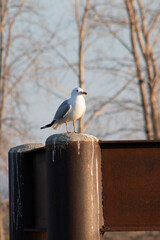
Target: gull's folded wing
{"type": "Point", "coordinates": [63, 110]}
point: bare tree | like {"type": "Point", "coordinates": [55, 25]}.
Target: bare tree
{"type": "Point", "coordinates": [82, 28]}
{"type": "Point", "coordinates": [2, 235]}
{"type": "Point", "coordinates": [139, 22]}
{"type": "Point", "coordinates": [20, 51]}
{"type": "Point", "coordinates": [1, 80]}
{"type": "Point", "coordinates": [85, 18]}
{"type": "Point", "coordinates": [143, 50]}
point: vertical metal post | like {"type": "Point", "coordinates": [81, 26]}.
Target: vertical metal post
{"type": "Point", "coordinates": [74, 187]}
{"type": "Point", "coordinates": [21, 209]}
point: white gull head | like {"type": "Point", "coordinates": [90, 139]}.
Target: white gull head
{"type": "Point", "coordinates": [78, 91]}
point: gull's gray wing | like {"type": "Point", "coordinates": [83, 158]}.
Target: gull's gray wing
{"type": "Point", "coordinates": [63, 110]}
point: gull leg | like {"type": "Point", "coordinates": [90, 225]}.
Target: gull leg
{"type": "Point", "coordinates": [74, 126]}
{"type": "Point", "coordinates": [67, 127]}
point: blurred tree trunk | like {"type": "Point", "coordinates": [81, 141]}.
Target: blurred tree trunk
{"type": "Point", "coordinates": [143, 52]}
{"type": "Point", "coordinates": [1, 79]}
{"type": "Point", "coordinates": [2, 234]}
{"type": "Point", "coordinates": [81, 23]}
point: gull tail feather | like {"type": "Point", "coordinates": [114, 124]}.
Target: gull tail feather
{"type": "Point", "coordinates": [56, 125]}
{"type": "Point", "coordinates": [48, 125]}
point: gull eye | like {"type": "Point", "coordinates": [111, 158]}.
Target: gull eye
{"type": "Point", "coordinates": [77, 90]}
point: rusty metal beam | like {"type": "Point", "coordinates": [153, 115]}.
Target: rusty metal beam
{"type": "Point", "coordinates": [131, 192]}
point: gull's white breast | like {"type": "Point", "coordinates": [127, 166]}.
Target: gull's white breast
{"type": "Point", "coordinates": [78, 107]}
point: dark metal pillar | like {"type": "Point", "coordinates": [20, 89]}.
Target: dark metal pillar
{"type": "Point", "coordinates": [74, 187]}
{"type": "Point", "coordinates": [25, 187]}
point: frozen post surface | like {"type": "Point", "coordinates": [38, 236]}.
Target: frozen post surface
{"type": "Point", "coordinates": [74, 187]}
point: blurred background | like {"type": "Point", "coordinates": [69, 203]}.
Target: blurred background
{"type": "Point", "coordinates": [110, 48]}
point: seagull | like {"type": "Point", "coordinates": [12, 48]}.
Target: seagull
{"type": "Point", "coordinates": [70, 110]}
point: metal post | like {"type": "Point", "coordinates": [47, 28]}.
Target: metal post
{"type": "Point", "coordinates": [21, 190]}
{"type": "Point", "coordinates": [74, 187]}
